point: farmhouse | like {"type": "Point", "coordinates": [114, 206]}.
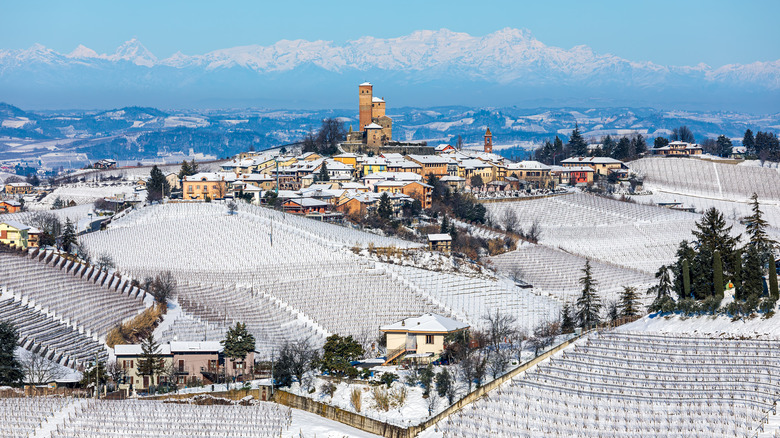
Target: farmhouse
{"type": "Point", "coordinates": [10, 206]}
{"type": "Point", "coordinates": [204, 185]}
{"type": "Point", "coordinates": [601, 165]}
{"type": "Point", "coordinates": [421, 336]}
{"type": "Point", "coordinates": [18, 188]}
{"type": "Point", "coordinates": [677, 148]}
{"type": "Point", "coordinates": [440, 242]}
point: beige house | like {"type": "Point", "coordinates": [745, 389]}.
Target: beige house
{"type": "Point", "coordinates": [14, 233]}
{"type": "Point", "coordinates": [419, 337]}
{"type": "Point", "coordinates": [601, 165]}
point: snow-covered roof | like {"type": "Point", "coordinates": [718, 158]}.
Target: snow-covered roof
{"type": "Point", "coordinates": [136, 350]}
{"type": "Point", "coordinates": [451, 178]}
{"type": "Point", "coordinates": [428, 159]}
{"type": "Point", "coordinates": [373, 126]}
{"type": "Point", "coordinates": [204, 176]}
{"type": "Point", "coordinates": [429, 322]}
{"type": "Point", "coordinates": [571, 169]}
{"type": "Point", "coordinates": [528, 164]}
{"type": "Point", "coordinates": [353, 186]}
{"type": "Point", "coordinates": [193, 347]}
{"type": "Point", "coordinates": [308, 202]}
{"type": "Point", "coordinates": [365, 84]}
{"type": "Point", "coordinates": [19, 184]}
{"type": "Point", "coordinates": [11, 203]}
{"type": "Point", "coordinates": [14, 224]}
{"type": "Point", "coordinates": [591, 160]}
{"type": "Point", "coordinates": [442, 147]}
{"type": "Point", "coordinates": [439, 237]}
{"type": "Point", "coordinates": [397, 176]}
{"type": "Point", "coordinates": [377, 100]}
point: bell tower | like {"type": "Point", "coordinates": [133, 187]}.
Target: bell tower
{"type": "Point", "coordinates": [488, 141]}
{"type": "Point", "coordinates": [365, 99]}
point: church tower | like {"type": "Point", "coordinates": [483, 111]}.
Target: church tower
{"type": "Point", "coordinates": [488, 141]}
{"type": "Point", "coordinates": [365, 102]}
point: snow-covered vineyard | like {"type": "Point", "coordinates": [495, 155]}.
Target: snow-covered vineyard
{"type": "Point", "coordinates": [634, 236]}
{"type": "Point", "coordinates": [306, 280]}
{"type": "Point", "coordinates": [622, 384]}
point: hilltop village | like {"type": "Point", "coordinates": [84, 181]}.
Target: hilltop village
{"type": "Point", "coordinates": [352, 283]}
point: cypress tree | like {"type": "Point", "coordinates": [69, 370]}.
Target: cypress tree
{"type": "Point", "coordinates": [157, 186]}
{"type": "Point", "coordinates": [773, 279]}
{"type": "Point", "coordinates": [737, 273]}
{"type": "Point", "coordinates": [756, 228]}
{"type": "Point", "coordinates": [567, 323]}
{"type": "Point", "coordinates": [717, 275]}
{"type": "Point", "coordinates": [68, 239]}
{"type": "Point", "coordinates": [752, 274]}
{"type": "Point", "coordinates": [10, 369]}
{"type": "Point", "coordinates": [629, 301]}
{"type": "Point", "coordinates": [686, 275]}
{"type": "Point", "coordinates": [577, 144]}
{"type": "Point", "coordinates": [445, 225]}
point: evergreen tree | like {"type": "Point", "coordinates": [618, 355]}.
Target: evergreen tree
{"type": "Point", "coordinates": [623, 149]}
{"type": "Point", "coordinates": [95, 371]}
{"type": "Point", "coordinates": [577, 144]}
{"type": "Point", "coordinates": [185, 169]}
{"type": "Point", "coordinates": [150, 362]}
{"type": "Point", "coordinates": [588, 304]}
{"type": "Point", "coordinates": [557, 149]}
{"type": "Point", "coordinates": [238, 342]}
{"type": "Point", "coordinates": [338, 352]}
{"type": "Point", "coordinates": [686, 275]}
{"type": "Point", "coordinates": [717, 274]}
{"type": "Point", "coordinates": [737, 276]}
{"type": "Point", "coordinates": [157, 186]}
{"type": "Point", "coordinates": [684, 252]}
{"type": "Point", "coordinates": [323, 175]}
{"type": "Point", "coordinates": [752, 274]}
{"type": "Point", "coordinates": [68, 239]}
{"type": "Point", "coordinates": [749, 142]}
{"type": "Point", "coordinates": [660, 142]}
{"type": "Point", "coordinates": [712, 234]}
{"type": "Point", "coordinates": [445, 225]}
{"type": "Point", "coordinates": [608, 146]}
{"type": "Point", "coordinates": [11, 373]}
{"type": "Point", "coordinates": [724, 146]}
{"type": "Point", "coordinates": [194, 167]}
{"type": "Point", "coordinates": [772, 278]}
{"type": "Point", "coordinates": [567, 322]}
{"type": "Point", "coordinates": [756, 229]}
{"type": "Point", "coordinates": [384, 210]}
{"type": "Point", "coordinates": [638, 146]}
{"type": "Point", "coordinates": [443, 383]}
{"type": "Point", "coordinates": [629, 301]}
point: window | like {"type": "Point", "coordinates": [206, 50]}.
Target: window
{"type": "Point", "coordinates": [429, 339]}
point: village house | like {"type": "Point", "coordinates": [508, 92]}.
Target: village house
{"type": "Point", "coordinates": [572, 175]}
{"type": "Point", "coordinates": [601, 165]}
{"type": "Point", "coordinates": [9, 206]}
{"type": "Point", "coordinates": [34, 237]}
{"type": "Point", "coordinates": [531, 173]}
{"type": "Point", "coordinates": [128, 357]}
{"type": "Point", "coordinates": [677, 148]}
{"type": "Point", "coordinates": [440, 242]}
{"type": "Point", "coordinates": [347, 158]}
{"type": "Point", "coordinates": [14, 233]}
{"type": "Point", "coordinates": [105, 164]}
{"type": "Point", "coordinates": [444, 148]}
{"type": "Point", "coordinates": [18, 188]}
{"type": "Point", "coordinates": [431, 164]}
{"type": "Point", "coordinates": [204, 185]}
{"type": "Point", "coordinates": [420, 338]}
{"type": "Point", "coordinates": [371, 179]}
{"type": "Point", "coordinates": [453, 182]}
{"type": "Point", "coordinates": [305, 206]}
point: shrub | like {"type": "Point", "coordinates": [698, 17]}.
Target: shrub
{"type": "Point", "coordinates": [767, 305]}
{"type": "Point", "coordinates": [136, 329]}
{"type": "Point", "coordinates": [356, 398]}
{"type": "Point", "coordinates": [711, 304]}
{"type": "Point", "coordinates": [388, 379]}
{"type": "Point", "coordinates": [399, 395]}
{"type": "Point", "coordinates": [382, 398]}
{"type": "Point", "coordinates": [328, 389]}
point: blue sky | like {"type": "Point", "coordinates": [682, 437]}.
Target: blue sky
{"type": "Point", "coordinates": [714, 32]}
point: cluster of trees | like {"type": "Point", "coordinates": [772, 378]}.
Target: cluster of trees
{"type": "Point", "coordinates": [188, 169]}
{"type": "Point", "coordinates": [327, 138]}
{"type": "Point", "coordinates": [452, 202]}
{"type": "Point", "coordinates": [764, 145]}
{"type": "Point", "coordinates": [297, 359]}
{"type": "Point", "coordinates": [710, 263]}
{"type": "Point", "coordinates": [624, 148]}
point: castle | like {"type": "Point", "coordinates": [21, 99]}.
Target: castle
{"type": "Point", "coordinates": [376, 129]}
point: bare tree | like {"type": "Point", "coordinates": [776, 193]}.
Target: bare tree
{"type": "Point", "coordinates": [105, 262]}
{"type": "Point", "coordinates": [501, 329]}
{"type": "Point", "coordinates": [162, 287]}
{"type": "Point", "coordinates": [115, 371]}
{"type": "Point", "coordinates": [544, 335]}
{"type": "Point", "coordinates": [510, 220]}
{"type": "Point", "coordinates": [39, 370]}
{"type": "Point", "coordinates": [232, 207]}
{"type": "Point", "coordinates": [535, 232]}
{"type": "Point", "coordinates": [295, 360]}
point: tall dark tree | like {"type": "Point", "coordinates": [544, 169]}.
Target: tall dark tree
{"type": "Point", "coordinates": [567, 321]}
{"type": "Point", "coordinates": [638, 146]}
{"type": "Point", "coordinates": [589, 303]}
{"type": "Point", "coordinates": [608, 146]}
{"type": "Point", "coordinates": [238, 343]}
{"type": "Point", "coordinates": [749, 142]}
{"type": "Point", "coordinates": [682, 133]}
{"type": "Point", "coordinates": [11, 373]}
{"type": "Point", "coordinates": [558, 152]}
{"type": "Point", "coordinates": [664, 287]}
{"type": "Point", "coordinates": [329, 136]}
{"type": "Point", "coordinates": [185, 170]}
{"type": "Point", "coordinates": [752, 274]}
{"type": "Point", "coordinates": [150, 362]}
{"type": "Point", "coordinates": [686, 278]}
{"type": "Point", "coordinates": [323, 175]}
{"type": "Point", "coordinates": [724, 146]}
{"type": "Point", "coordinates": [773, 279]}
{"type": "Point", "coordinates": [157, 186]}
{"type": "Point", "coordinates": [577, 144]}
{"type": "Point", "coordinates": [756, 225]}
{"type": "Point", "coordinates": [629, 302]}
{"type": "Point", "coordinates": [68, 241]}
{"type": "Point", "coordinates": [338, 352]}
{"type": "Point", "coordinates": [660, 142]}
{"type": "Point", "coordinates": [623, 149]}
{"type": "Point", "coordinates": [717, 273]}
{"type": "Point", "coordinates": [713, 234]}
{"type": "Point", "coordinates": [384, 210]}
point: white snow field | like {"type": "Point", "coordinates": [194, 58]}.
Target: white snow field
{"type": "Point", "coordinates": [291, 277]}
{"type": "Point", "coordinates": [87, 193]}
{"type": "Point", "coordinates": [635, 236]}
{"type": "Point", "coordinates": [557, 273]}
{"type": "Point", "coordinates": [619, 384]}
{"type": "Point", "coordinates": [709, 179]}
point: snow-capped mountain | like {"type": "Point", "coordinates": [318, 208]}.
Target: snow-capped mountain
{"type": "Point", "coordinates": [507, 63]}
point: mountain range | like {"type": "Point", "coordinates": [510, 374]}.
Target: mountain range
{"type": "Point", "coordinates": [425, 68]}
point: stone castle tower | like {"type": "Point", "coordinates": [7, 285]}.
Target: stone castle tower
{"type": "Point", "coordinates": [488, 141]}
{"type": "Point", "coordinates": [376, 128]}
